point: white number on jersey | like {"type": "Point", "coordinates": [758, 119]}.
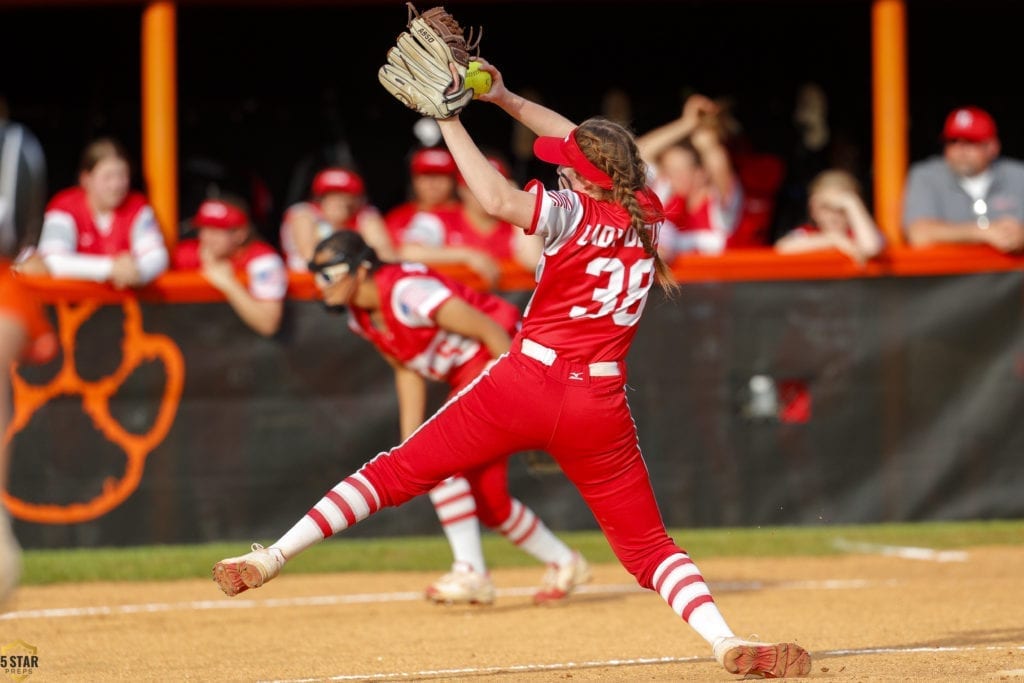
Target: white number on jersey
{"type": "Point", "coordinates": [622, 291]}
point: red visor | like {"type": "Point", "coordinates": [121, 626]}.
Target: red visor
{"type": "Point", "coordinates": [565, 152]}
{"type": "Point", "coordinates": [213, 213]}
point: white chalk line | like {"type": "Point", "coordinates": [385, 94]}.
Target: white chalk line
{"type": "Point", "coordinates": [407, 596]}
{"type": "Point", "coordinates": [901, 551]}
{"type": "Point", "coordinates": [642, 661]}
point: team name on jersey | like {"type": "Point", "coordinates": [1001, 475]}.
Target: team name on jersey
{"type": "Point", "coordinates": [607, 235]}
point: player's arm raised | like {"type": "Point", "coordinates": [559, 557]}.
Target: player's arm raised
{"type": "Point", "coordinates": [536, 117]}
{"type": "Point", "coordinates": [492, 190]}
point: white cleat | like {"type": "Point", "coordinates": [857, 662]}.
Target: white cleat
{"type": "Point", "coordinates": [560, 581]}
{"type": "Point", "coordinates": [769, 660]}
{"type": "Point", "coordinates": [237, 574]}
{"type": "Point", "coordinates": [462, 585]}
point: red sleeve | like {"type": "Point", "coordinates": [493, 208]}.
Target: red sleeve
{"type": "Point", "coordinates": [537, 188]}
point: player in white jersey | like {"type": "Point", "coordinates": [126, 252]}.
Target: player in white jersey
{"type": "Point", "coordinates": [561, 388]}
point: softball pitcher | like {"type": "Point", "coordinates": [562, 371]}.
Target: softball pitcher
{"type": "Point", "coordinates": [561, 388]}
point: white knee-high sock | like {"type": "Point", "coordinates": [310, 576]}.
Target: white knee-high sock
{"type": "Point", "coordinates": [524, 528]}
{"type": "Point", "coordinates": [351, 500]}
{"type": "Point", "coordinates": [679, 582]}
{"type": "Point", "coordinates": [456, 508]}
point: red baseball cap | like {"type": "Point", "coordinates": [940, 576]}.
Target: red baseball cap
{"type": "Point", "coordinates": [433, 160]}
{"type": "Point", "coordinates": [214, 213]}
{"type": "Point", "coordinates": [337, 180]}
{"type": "Point", "coordinates": [566, 152]}
{"type": "Point", "coordinates": [969, 123]}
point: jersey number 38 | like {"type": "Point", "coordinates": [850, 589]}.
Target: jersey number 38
{"type": "Point", "coordinates": [624, 294]}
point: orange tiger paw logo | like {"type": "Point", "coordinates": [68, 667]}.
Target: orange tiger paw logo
{"type": "Point", "coordinates": [137, 348]}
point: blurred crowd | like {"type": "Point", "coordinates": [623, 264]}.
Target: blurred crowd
{"type": "Point", "coordinates": [719, 192]}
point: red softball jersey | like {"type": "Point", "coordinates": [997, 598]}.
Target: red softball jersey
{"type": "Point", "coordinates": [589, 312]}
{"type": "Point", "coordinates": [410, 294]}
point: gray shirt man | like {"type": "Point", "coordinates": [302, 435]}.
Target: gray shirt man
{"type": "Point", "coordinates": [934, 191]}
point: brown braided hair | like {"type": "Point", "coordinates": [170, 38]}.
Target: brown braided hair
{"type": "Point", "coordinates": [611, 147]}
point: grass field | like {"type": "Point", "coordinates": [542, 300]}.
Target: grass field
{"type": "Point", "coordinates": [426, 553]}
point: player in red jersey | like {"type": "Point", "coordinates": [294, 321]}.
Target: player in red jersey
{"type": "Point", "coordinates": [338, 202]}
{"type": "Point", "coordinates": [226, 249]}
{"type": "Point", "coordinates": [430, 327]}
{"type": "Point", "coordinates": [25, 335]}
{"type": "Point", "coordinates": [502, 240]}
{"type": "Point", "coordinates": [102, 230]}
{"type": "Point", "coordinates": [430, 227]}
{"type": "Point", "coordinates": [561, 387]}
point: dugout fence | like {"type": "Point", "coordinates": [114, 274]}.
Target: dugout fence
{"type": "Point", "coordinates": [773, 390]}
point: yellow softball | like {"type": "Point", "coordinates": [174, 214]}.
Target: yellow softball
{"type": "Point", "coordinates": [479, 81]}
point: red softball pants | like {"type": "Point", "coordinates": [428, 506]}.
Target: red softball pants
{"type": "Point", "coordinates": [520, 404]}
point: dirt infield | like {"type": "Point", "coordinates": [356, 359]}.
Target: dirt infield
{"type": "Point", "coordinates": [864, 618]}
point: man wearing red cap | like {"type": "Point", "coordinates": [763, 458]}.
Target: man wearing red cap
{"type": "Point", "coordinates": [970, 194]}
{"type": "Point", "coordinates": [429, 228]}
{"type": "Point", "coordinates": [338, 202]}
{"type": "Point", "coordinates": [225, 249]}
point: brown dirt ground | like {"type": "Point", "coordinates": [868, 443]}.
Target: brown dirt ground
{"type": "Point", "coordinates": [876, 618]}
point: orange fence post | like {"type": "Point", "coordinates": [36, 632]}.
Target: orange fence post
{"type": "Point", "coordinates": [160, 114]}
{"type": "Point", "coordinates": [889, 105]}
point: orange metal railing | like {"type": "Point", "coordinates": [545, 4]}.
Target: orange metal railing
{"type": "Point", "coordinates": [733, 266]}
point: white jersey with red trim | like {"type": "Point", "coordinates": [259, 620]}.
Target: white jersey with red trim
{"type": "Point", "coordinates": [592, 280]}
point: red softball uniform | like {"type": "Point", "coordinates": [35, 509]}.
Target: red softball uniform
{"type": "Point", "coordinates": [77, 243]}
{"type": "Point", "coordinates": [267, 278]}
{"type": "Point", "coordinates": [117, 238]}
{"type": "Point", "coordinates": [408, 224]}
{"type": "Point", "coordinates": [562, 387]}
{"type": "Point", "coordinates": [410, 295]}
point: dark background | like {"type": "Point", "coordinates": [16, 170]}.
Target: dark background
{"type": "Point", "coordinates": [265, 89]}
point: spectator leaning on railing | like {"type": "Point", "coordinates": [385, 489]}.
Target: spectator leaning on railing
{"type": "Point", "coordinates": [838, 220]}
{"type": "Point", "coordinates": [970, 194]}
{"type": "Point", "coordinates": [225, 249]}
{"type": "Point", "coordinates": [101, 230]}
